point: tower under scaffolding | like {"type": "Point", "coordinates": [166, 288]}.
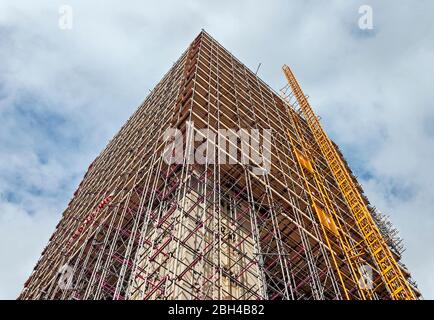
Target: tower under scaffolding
{"type": "Point", "coordinates": [140, 227]}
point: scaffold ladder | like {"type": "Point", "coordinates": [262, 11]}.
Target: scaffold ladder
{"type": "Point", "coordinates": [391, 273]}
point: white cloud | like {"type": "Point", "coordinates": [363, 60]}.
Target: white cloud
{"type": "Point", "coordinates": [23, 237]}
{"type": "Point", "coordinates": [64, 94]}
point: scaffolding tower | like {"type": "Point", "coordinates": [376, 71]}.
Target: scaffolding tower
{"type": "Point", "coordinates": [141, 228]}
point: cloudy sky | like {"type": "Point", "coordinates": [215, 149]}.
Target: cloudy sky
{"type": "Point", "coordinates": [65, 93]}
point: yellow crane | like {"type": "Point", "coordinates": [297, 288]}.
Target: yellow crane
{"type": "Point", "coordinates": [390, 271]}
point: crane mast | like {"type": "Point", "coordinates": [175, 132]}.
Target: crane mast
{"type": "Point", "coordinates": [390, 271]}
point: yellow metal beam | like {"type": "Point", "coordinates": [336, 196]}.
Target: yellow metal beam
{"type": "Point", "coordinates": [391, 273]}
{"type": "Point", "coordinates": [325, 218]}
